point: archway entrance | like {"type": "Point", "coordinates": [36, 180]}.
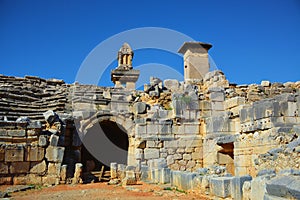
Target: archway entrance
{"type": "Point", "coordinates": [104, 143]}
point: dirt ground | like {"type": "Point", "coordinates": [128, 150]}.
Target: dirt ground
{"type": "Point", "coordinates": [103, 191]}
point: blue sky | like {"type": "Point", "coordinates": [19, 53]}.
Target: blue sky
{"type": "Point", "coordinates": [252, 40]}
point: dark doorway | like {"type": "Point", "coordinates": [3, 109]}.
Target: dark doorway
{"type": "Point", "coordinates": [226, 156]}
{"type": "Point", "coordinates": [104, 143]}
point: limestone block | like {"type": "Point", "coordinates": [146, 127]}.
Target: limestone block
{"type": "Point", "coordinates": [294, 188]}
{"type": "Point", "coordinates": [217, 124]}
{"type": "Point", "coordinates": [221, 186]}
{"type": "Point", "coordinates": [288, 109]}
{"type": "Point", "coordinates": [170, 160]}
{"type": "Point", "coordinates": [217, 105]}
{"type": "Point", "coordinates": [171, 84]}
{"type": "Point", "coordinates": [14, 153]}
{"type": "Point", "coordinates": [192, 129]}
{"type": "Point", "coordinates": [246, 114]}
{"type": "Point", "coordinates": [35, 153]}
{"type": "Point", "coordinates": [171, 144]}
{"type": "Point", "coordinates": [54, 169]}
{"type": "Point", "coordinates": [3, 168]}
{"type": "Point", "coordinates": [165, 176]}
{"type": "Point", "coordinates": [6, 180]}
{"type": "Point", "coordinates": [237, 186]}
{"type": "Point", "coordinates": [150, 153]}
{"type": "Point", "coordinates": [197, 155]}
{"type": "Point", "coordinates": [139, 108]}
{"type": "Point", "coordinates": [140, 130]}
{"type": "Point", "coordinates": [258, 187]}
{"type": "Point", "coordinates": [163, 114]}
{"type": "Point", "coordinates": [53, 140]}
{"type": "Point", "coordinates": [184, 180]}
{"type": "Point", "coordinates": [278, 186]}
{"type": "Point", "coordinates": [3, 132]}
{"type": "Point", "coordinates": [2, 152]}
{"type": "Point", "coordinates": [50, 180]}
{"type": "Point", "coordinates": [19, 167]}
{"type": "Point", "coordinates": [144, 172]}
{"type": "Point", "coordinates": [177, 156]}
{"type": "Point", "coordinates": [165, 128]}
{"type": "Point", "coordinates": [55, 154]}
{"type": "Point", "coordinates": [190, 164]}
{"type": "Point", "coordinates": [234, 102]}
{"type": "Point", "coordinates": [154, 144]}
{"type": "Point", "coordinates": [16, 133]}
{"type": "Point", "coordinates": [265, 83]}
{"type": "Point", "coordinates": [204, 105]}
{"type": "Point", "coordinates": [38, 167]}
{"type": "Point", "coordinates": [139, 155]}
{"type": "Point", "coordinates": [130, 179]}
{"type": "Point", "coordinates": [78, 173]}
{"type": "Point", "coordinates": [217, 96]}
{"type": "Point", "coordinates": [113, 170]}
{"type": "Point", "coordinates": [152, 129]}
{"type": "Point", "coordinates": [186, 156]}
{"type": "Point", "coordinates": [160, 163]}
{"type": "Point", "coordinates": [43, 140]}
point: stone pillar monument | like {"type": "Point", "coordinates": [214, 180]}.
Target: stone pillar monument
{"type": "Point", "coordinates": [124, 74]}
{"type": "Point", "coordinates": [196, 63]}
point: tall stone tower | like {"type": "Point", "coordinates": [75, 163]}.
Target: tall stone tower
{"type": "Point", "coordinates": [195, 55]}
{"type": "Point", "coordinates": [124, 74]}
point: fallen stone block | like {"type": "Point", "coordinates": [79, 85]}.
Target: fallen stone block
{"type": "Point", "coordinates": [130, 179]}
{"type": "Point", "coordinates": [221, 186]}
{"type": "Point", "coordinates": [237, 186]}
{"type": "Point", "coordinates": [278, 186]}
{"type": "Point", "coordinates": [113, 170]}
{"type": "Point", "coordinates": [165, 176]}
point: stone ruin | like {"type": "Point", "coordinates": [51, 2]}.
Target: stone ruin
{"type": "Point", "coordinates": [204, 134]}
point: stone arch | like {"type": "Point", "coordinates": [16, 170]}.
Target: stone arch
{"type": "Point", "coordinates": [107, 138]}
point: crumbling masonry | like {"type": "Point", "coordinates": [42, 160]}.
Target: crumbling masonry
{"type": "Point", "coordinates": [203, 134]}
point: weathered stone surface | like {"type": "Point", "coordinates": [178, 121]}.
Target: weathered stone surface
{"type": "Point", "coordinates": [221, 186]}
{"type": "Point", "coordinates": [38, 167]}
{"type": "Point", "coordinates": [55, 154]}
{"type": "Point", "coordinates": [54, 169]}
{"type": "Point", "coordinates": [19, 167]}
{"type": "Point", "coordinates": [43, 140]}
{"type": "Point", "coordinates": [278, 186]}
{"type": "Point", "coordinates": [237, 186]}
{"type": "Point", "coordinates": [113, 170]}
{"type": "Point", "coordinates": [53, 140]}
{"type": "Point", "coordinates": [14, 153]}
{"type": "Point", "coordinates": [139, 108]}
{"type": "Point", "coordinates": [35, 153]}
{"type": "Point", "coordinates": [150, 153]}
{"type": "Point", "coordinates": [78, 173]}
{"type": "Point", "coordinates": [3, 168]}
{"type": "Point", "coordinates": [16, 133]}
{"type": "Point", "coordinates": [130, 179]}
{"type": "Point", "coordinates": [171, 84]}
{"type": "Point", "coordinates": [165, 176]}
